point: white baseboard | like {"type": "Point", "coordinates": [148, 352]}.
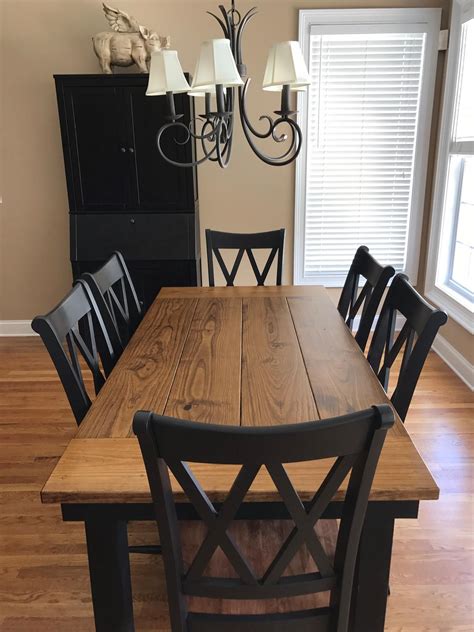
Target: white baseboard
{"type": "Point", "coordinates": [455, 360]}
{"type": "Point", "coordinates": [16, 328]}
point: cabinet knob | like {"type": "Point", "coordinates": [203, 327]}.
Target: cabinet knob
{"type": "Point", "coordinates": [132, 220]}
{"type": "Point", "coordinates": [131, 150]}
{"type": "Point", "coordinates": [123, 150]}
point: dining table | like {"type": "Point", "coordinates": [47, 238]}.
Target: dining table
{"type": "Point", "coordinates": [246, 356]}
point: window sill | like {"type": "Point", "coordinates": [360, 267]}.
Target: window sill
{"type": "Point", "coordinates": [457, 307]}
{"type": "Point", "coordinates": [327, 281]}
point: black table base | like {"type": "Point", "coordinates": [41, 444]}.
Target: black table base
{"type": "Point", "coordinates": [109, 566]}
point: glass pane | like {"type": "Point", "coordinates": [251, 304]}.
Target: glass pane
{"type": "Point", "coordinates": [463, 259]}
{"type": "Point", "coordinates": [464, 125]}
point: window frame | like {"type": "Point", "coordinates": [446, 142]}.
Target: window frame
{"type": "Point", "coordinates": [429, 22]}
{"type": "Point", "coordinates": [438, 287]}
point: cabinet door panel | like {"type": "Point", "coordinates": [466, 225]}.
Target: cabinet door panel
{"type": "Point", "coordinates": [149, 236]}
{"type": "Point", "coordinates": [101, 163]}
{"type": "Point", "coordinates": [160, 186]}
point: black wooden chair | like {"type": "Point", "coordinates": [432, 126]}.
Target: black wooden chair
{"type": "Point", "coordinates": [368, 299]}
{"type": "Point", "coordinates": [74, 327]}
{"type": "Point", "coordinates": [416, 337]}
{"type": "Point", "coordinates": [116, 299]}
{"type": "Point", "coordinates": [245, 243]}
{"type": "Point", "coordinates": [354, 440]}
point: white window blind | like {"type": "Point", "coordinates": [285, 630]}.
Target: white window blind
{"type": "Point", "coordinates": [363, 114]}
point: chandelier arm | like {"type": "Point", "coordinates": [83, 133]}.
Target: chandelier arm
{"type": "Point", "coordinates": [230, 125]}
{"type": "Point", "coordinates": [209, 152]}
{"type": "Point", "coordinates": [208, 138]}
{"type": "Point", "coordinates": [289, 155]}
{"type": "Point", "coordinates": [276, 138]}
{"type": "Point", "coordinates": [243, 23]}
{"type": "Point", "coordinates": [162, 130]}
{"type": "Point", "coordinates": [244, 116]}
{"type": "Point", "coordinates": [227, 146]}
{"type": "Point", "coordinates": [223, 156]}
{"type": "Point", "coordinates": [221, 22]}
{"type": "Point", "coordinates": [228, 23]}
{"type": "Point", "coordinates": [194, 134]}
{"type": "Point", "coordinates": [293, 142]}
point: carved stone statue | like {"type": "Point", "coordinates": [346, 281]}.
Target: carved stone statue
{"type": "Point", "coordinates": [129, 43]}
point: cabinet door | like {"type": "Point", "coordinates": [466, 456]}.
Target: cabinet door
{"type": "Point", "coordinates": [99, 146]}
{"type": "Point", "coordinates": [159, 185]}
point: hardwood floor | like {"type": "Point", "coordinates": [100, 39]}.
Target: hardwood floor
{"type": "Point", "coordinates": [44, 583]}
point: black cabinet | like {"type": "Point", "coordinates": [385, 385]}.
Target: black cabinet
{"type": "Point", "coordinates": [122, 194]}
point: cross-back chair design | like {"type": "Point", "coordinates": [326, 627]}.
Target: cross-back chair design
{"type": "Point", "coordinates": [415, 338]}
{"type": "Point", "coordinates": [354, 440]}
{"type": "Point", "coordinates": [73, 329]}
{"type": "Point", "coordinates": [116, 298]}
{"type": "Point", "coordinates": [368, 299]}
{"type": "Point", "coordinates": [245, 243]}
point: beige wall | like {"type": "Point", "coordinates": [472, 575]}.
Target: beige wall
{"type": "Point", "coordinates": [43, 37]}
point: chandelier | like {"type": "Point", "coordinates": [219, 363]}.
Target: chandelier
{"type": "Point", "coordinates": [221, 78]}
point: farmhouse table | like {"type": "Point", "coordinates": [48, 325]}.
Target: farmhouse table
{"type": "Point", "coordinates": [248, 356]}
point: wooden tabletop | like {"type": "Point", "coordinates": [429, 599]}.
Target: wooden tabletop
{"type": "Point", "coordinates": [244, 356]}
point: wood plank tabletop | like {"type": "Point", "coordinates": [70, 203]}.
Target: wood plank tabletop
{"type": "Point", "coordinates": [244, 356]}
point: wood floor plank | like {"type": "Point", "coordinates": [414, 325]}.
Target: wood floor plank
{"type": "Point", "coordinates": [275, 386]}
{"type": "Point", "coordinates": [207, 383]}
{"type": "Point", "coordinates": [144, 374]}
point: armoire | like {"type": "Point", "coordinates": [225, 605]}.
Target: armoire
{"type": "Point", "coordinates": [122, 194]}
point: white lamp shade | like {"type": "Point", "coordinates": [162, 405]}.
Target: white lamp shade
{"type": "Point", "coordinates": [202, 91]}
{"type": "Point", "coordinates": [286, 66]}
{"type": "Point", "coordinates": [166, 74]}
{"type": "Point", "coordinates": [216, 66]}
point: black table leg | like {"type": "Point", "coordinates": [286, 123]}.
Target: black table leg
{"type": "Point", "coordinates": [109, 568]}
{"type": "Point", "coordinates": [373, 572]}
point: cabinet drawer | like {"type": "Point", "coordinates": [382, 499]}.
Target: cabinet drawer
{"type": "Point", "coordinates": [139, 236]}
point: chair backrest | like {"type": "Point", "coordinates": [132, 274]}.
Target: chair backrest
{"type": "Point", "coordinates": [368, 299]}
{"type": "Point", "coordinates": [245, 243]}
{"type": "Point", "coordinates": [416, 337]}
{"type": "Point", "coordinates": [116, 298]}
{"type": "Point", "coordinates": [74, 328]}
{"type": "Point", "coordinates": [354, 440]}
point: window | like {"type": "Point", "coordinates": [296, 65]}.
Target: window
{"type": "Point", "coordinates": [450, 276]}
{"type": "Point", "coordinates": [366, 120]}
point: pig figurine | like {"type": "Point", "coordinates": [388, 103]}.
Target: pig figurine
{"type": "Point", "coordinates": [129, 43]}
